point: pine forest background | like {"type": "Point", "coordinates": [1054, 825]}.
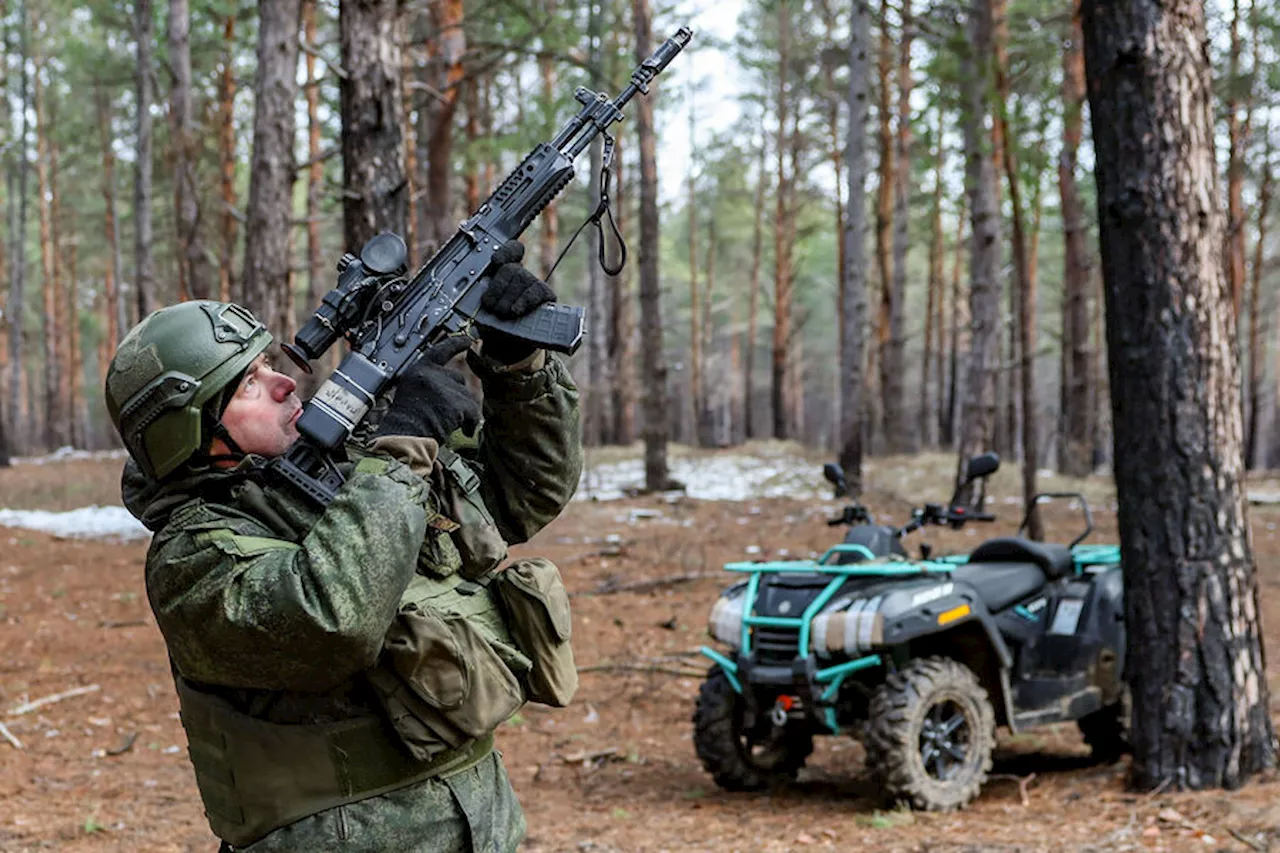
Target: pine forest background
{"type": "Point", "coordinates": [158, 151]}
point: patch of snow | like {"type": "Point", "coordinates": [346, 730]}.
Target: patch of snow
{"type": "Point", "coordinates": [91, 522]}
{"type": "Point", "coordinates": [70, 454]}
{"type": "Point", "coordinates": [719, 477]}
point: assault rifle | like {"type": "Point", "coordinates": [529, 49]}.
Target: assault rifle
{"type": "Point", "coordinates": [390, 319]}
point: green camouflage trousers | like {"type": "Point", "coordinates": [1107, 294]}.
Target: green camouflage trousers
{"type": "Point", "coordinates": [474, 811]}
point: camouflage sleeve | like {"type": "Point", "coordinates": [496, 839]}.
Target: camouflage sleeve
{"type": "Point", "coordinates": [530, 443]}
{"type": "Point", "coordinates": [241, 608]}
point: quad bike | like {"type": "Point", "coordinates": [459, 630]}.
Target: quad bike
{"type": "Point", "coordinates": [919, 659]}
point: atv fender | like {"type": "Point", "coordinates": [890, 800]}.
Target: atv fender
{"type": "Point", "coordinates": [951, 620]}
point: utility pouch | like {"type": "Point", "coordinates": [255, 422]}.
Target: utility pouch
{"type": "Point", "coordinates": [536, 603]}
{"type": "Point", "coordinates": [477, 538]}
{"type": "Point", "coordinates": [456, 685]}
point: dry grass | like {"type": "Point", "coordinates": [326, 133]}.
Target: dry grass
{"type": "Point", "coordinates": [61, 485]}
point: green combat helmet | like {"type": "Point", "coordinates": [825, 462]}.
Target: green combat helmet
{"type": "Point", "coordinates": [168, 367]}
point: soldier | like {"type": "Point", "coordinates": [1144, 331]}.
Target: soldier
{"type": "Point", "coordinates": [340, 669]}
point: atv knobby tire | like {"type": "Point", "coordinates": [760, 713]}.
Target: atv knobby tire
{"type": "Point", "coordinates": [738, 760]}
{"type": "Point", "coordinates": [1106, 731]}
{"type": "Point", "coordinates": [930, 734]}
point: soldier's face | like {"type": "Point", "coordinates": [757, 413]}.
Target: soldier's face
{"type": "Point", "coordinates": [261, 417]}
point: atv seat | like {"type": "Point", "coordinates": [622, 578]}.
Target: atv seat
{"type": "Point", "coordinates": [1055, 561]}
{"type": "Point", "coordinates": [1000, 584]}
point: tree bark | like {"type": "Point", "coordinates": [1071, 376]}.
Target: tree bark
{"type": "Point", "coordinates": [653, 361]}
{"type": "Point", "coordinates": [227, 160]}
{"type": "Point", "coordinates": [959, 323]}
{"type": "Point", "coordinates": [1076, 458]}
{"type": "Point", "coordinates": [884, 223]}
{"type": "Point", "coordinates": [697, 403]}
{"type": "Point", "coordinates": [1195, 662]}
{"type": "Point", "coordinates": [549, 237]}
{"type": "Point", "coordinates": [145, 286]}
{"type": "Point", "coordinates": [17, 255]}
{"type": "Point", "coordinates": [74, 371]}
{"type": "Point", "coordinates": [267, 249]}
{"type": "Point", "coordinates": [443, 73]}
{"type": "Point", "coordinates": [931, 378]}
{"type": "Point", "coordinates": [753, 298]}
{"type": "Point", "coordinates": [1253, 456]}
{"type": "Point", "coordinates": [193, 272]}
{"type": "Point", "coordinates": [977, 422]}
{"type": "Point", "coordinates": [622, 344]}
{"type": "Point", "coordinates": [53, 417]}
{"type": "Point", "coordinates": [899, 434]}
{"type": "Point", "coordinates": [1237, 134]}
{"type": "Point", "coordinates": [853, 276]}
{"type": "Point", "coordinates": [317, 284]}
{"type": "Point", "coordinates": [374, 184]}
{"type": "Point", "coordinates": [111, 279]}
{"type": "Point", "coordinates": [783, 393]}
{"type": "Point", "coordinates": [1026, 321]}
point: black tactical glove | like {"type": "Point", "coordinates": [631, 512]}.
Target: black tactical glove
{"type": "Point", "coordinates": [512, 293]}
{"type": "Point", "coordinates": [432, 400]}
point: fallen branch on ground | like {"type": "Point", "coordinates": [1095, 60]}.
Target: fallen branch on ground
{"type": "Point", "coordinates": [1023, 782]}
{"type": "Point", "coordinates": [587, 758]}
{"type": "Point", "coordinates": [125, 745]}
{"type": "Point", "coordinates": [49, 700]}
{"type": "Point", "coordinates": [1248, 842]}
{"type": "Point", "coordinates": [640, 667]}
{"type": "Point", "coordinates": [8, 735]}
{"type": "Point", "coordinates": [610, 587]}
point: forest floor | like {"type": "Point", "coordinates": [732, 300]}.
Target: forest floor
{"type": "Point", "coordinates": [106, 769]}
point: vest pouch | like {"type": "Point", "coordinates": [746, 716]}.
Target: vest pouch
{"type": "Point", "coordinates": [453, 670]}
{"type": "Point", "coordinates": [479, 543]}
{"type": "Point", "coordinates": [537, 607]}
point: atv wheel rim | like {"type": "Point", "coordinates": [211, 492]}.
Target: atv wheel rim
{"type": "Point", "coordinates": [944, 740]}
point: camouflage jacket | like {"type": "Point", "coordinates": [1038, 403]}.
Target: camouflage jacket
{"type": "Point", "coordinates": [280, 609]}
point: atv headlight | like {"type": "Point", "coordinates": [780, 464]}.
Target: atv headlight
{"type": "Point", "coordinates": [725, 623]}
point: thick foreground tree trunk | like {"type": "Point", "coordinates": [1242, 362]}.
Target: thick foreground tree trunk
{"type": "Point", "coordinates": [144, 275]}
{"type": "Point", "coordinates": [1196, 667]}
{"type": "Point", "coordinates": [271, 170]}
{"type": "Point", "coordinates": [375, 193]}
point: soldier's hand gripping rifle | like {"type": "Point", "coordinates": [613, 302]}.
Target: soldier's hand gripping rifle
{"type": "Point", "coordinates": [390, 318]}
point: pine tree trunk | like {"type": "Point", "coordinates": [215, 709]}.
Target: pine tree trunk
{"type": "Point", "coordinates": [884, 223]}
{"type": "Point", "coordinates": [1236, 136]}
{"type": "Point", "coordinates": [1253, 455]}
{"type": "Point", "coordinates": [899, 434]}
{"type": "Point", "coordinates": [853, 275]}
{"type": "Point", "coordinates": [227, 160]}
{"type": "Point", "coordinates": [714, 387]}
{"type": "Point", "coordinates": [51, 407]}
{"type": "Point", "coordinates": [1195, 663]}
{"type": "Point", "coordinates": [145, 286]}
{"type": "Point", "coordinates": [374, 197]}
{"type": "Point", "coordinates": [753, 298]}
{"type": "Point", "coordinates": [193, 273]}
{"type": "Point", "coordinates": [1023, 263]}
{"type": "Point", "coordinates": [696, 402]}
{"type": "Point", "coordinates": [959, 324]}
{"type": "Point", "coordinates": [443, 74]}
{"type": "Point", "coordinates": [653, 362]}
{"type": "Point", "coordinates": [75, 361]}
{"type": "Point", "coordinates": [549, 237]}
{"type": "Point", "coordinates": [929, 382]}
{"type": "Point", "coordinates": [267, 253]}
{"type": "Point", "coordinates": [317, 283]}
{"type": "Point", "coordinates": [18, 169]}
{"type": "Point", "coordinates": [622, 342]}
{"type": "Point", "coordinates": [111, 280]}
{"type": "Point", "coordinates": [978, 411]}
{"type": "Point", "coordinates": [1076, 458]}
{"type": "Point", "coordinates": [782, 393]}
